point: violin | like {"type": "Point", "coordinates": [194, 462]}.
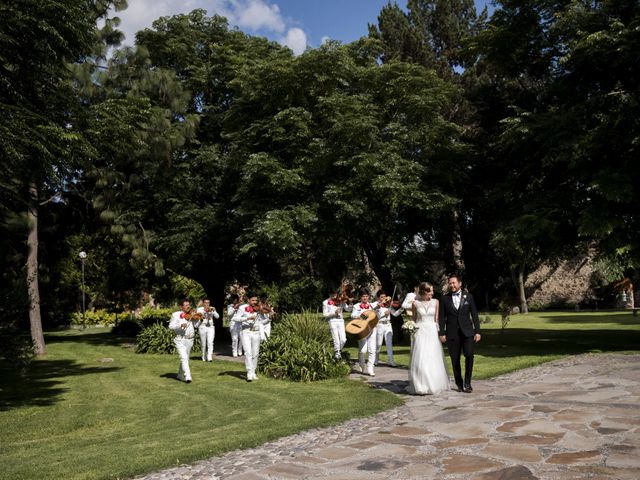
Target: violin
{"type": "Point", "coordinates": [192, 315]}
{"type": "Point", "coordinates": [345, 295]}
{"type": "Point", "coordinates": [264, 308]}
{"type": "Point", "coordinates": [384, 301]}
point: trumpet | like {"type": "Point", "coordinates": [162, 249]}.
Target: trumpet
{"type": "Point", "coordinates": [208, 315]}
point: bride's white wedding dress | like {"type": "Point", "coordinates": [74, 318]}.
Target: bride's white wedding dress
{"type": "Point", "coordinates": [427, 374]}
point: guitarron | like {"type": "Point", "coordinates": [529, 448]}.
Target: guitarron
{"type": "Point", "coordinates": [361, 327]}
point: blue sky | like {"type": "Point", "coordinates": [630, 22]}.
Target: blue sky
{"type": "Point", "coordinates": [296, 23]}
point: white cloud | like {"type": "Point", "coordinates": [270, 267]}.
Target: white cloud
{"type": "Point", "coordinates": [252, 16]}
{"type": "Point", "coordinates": [259, 17]}
{"type": "Point", "coordinates": [324, 40]}
{"type": "Point", "coordinates": [140, 14]}
{"type": "Point", "coordinates": [296, 40]}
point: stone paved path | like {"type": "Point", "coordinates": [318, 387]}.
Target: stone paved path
{"type": "Point", "coordinates": [575, 418]}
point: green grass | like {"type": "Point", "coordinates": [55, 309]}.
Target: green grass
{"type": "Point", "coordinates": [532, 339]}
{"type": "Point", "coordinates": [72, 416]}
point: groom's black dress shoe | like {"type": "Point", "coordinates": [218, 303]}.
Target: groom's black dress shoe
{"type": "Point", "coordinates": [459, 388]}
{"type": "Point", "coordinates": [467, 389]}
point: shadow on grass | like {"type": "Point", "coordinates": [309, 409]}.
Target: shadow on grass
{"type": "Point", "coordinates": [102, 338]}
{"type": "Point", "coordinates": [233, 373]}
{"type": "Point", "coordinates": [515, 342]}
{"type": "Point", "coordinates": [626, 320]}
{"type": "Point", "coordinates": [398, 349]}
{"type": "Point", "coordinates": [42, 384]}
{"type": "Point", "coordinates": [171, 376]}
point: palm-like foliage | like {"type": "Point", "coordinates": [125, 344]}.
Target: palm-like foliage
{"type": "Point", "coordinates": [300, 349]}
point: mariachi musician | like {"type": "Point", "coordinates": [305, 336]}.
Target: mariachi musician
{"type": "Point", "coordinates": [207, 329]}
{"type": "Point", "coordinates": [384, 328]}
{"type": "Point", "coordinates": [235, 324]}
{"type": "Point", "coordinates": [184, 323]}
{"type": "Point", "coordinates": [251, 332]}
{"type": "Point", "coordinates": [332, 309]}
{"type": "Point", "coordinates": [366, 345]}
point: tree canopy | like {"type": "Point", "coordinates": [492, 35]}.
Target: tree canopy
{"type": "Point", "coordinates": [445, 140]}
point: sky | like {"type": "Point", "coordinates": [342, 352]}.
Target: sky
{"type": "Point", "coordinates": [297, 24]}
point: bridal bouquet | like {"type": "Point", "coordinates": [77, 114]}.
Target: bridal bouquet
{"type": "Point", "coordinates": [410, 326]}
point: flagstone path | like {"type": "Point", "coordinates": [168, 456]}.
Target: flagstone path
{"type": "Point", "coordinates": [575, 418]}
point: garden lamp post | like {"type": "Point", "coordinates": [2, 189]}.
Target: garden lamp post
{"type": "Point", "coordinates": [83, 257]}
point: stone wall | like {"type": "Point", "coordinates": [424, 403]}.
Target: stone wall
{"type": "Point", "coordinates": [565, 284]}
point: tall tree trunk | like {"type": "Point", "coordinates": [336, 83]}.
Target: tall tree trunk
{"type": "Point", "coordinates": [32, 272]}
{"type": "Point", "coordinates": [377, 258]}
{"type": "Point", "coordinates": [522, 298]}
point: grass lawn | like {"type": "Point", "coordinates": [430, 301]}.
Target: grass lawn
{"type": "Point", "coordinates": [73, 416]}
{"type": "Point", "coordinates": [532, 339]}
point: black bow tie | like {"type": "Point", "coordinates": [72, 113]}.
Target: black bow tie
{"type": "Point", "coordinates": [457, 294]}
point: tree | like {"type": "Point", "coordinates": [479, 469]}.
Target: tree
{"type": "Point", "coordinates": [555, 97]}
{"type": "Point", "coordinates": [435, 34]}
{"type": "Point", "coordinates": [595, 114]}
{"type": "Point", "coordinates": [206, 56]}
{"type": "Point", "coordinates": [432, 33]}
{"type": "Point", "coordinates": [34, 106]}
{"type": "Point", "coordinates": [400, 38]}
{"type": "Point", "coordinates": [307, 131]}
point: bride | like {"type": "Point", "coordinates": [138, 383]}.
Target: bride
{"type": "Point", "coordinates": [427, 374]}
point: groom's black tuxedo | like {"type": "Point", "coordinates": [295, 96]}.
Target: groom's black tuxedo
{"type": "Point", "coordinates": [460, 325]}
{"type": "Point", "coordinates": [462, 320]}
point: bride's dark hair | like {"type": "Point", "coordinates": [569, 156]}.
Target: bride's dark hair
{"type": "Point", "coordinates": [425, 287]}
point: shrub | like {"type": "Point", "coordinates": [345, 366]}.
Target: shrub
{"type": "Point", "coordinates": [130, 326]}
{"type": "Point", "coordinates": [149, 315]}
{"type": "Point", "coordinates": [93, 317]}
{"type": "Point", "coordinates": [300, 349]}
{"type": "Point", "coordinates": [157, 338]}
{"type": "Point", "coordinates": [505, 317]}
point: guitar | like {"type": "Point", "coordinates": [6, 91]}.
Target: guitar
{"type": "Point", "coordinates": [362, 327]}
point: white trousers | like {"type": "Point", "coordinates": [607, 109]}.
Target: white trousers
{"type": "Point", "coordinates": [251, 346]}
{"type": "Point", "coordinates": [207, 335]}
{"type": "Point", "coordinates": [367, 346]}
{"type": "Point", "coordinates": [385, 332]}
{"type": "Point", "coordinates": [236, 341]}
{"type": "Point", "coordinates": [338, 334]}
{"type": "Point", "coordinates": [183, 347]}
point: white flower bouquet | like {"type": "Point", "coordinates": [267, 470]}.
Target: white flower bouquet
{"type": "Point", "coordinates": [410, 326]}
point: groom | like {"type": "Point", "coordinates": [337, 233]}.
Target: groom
{"type": "Point", "coordinates": [460, 328]}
